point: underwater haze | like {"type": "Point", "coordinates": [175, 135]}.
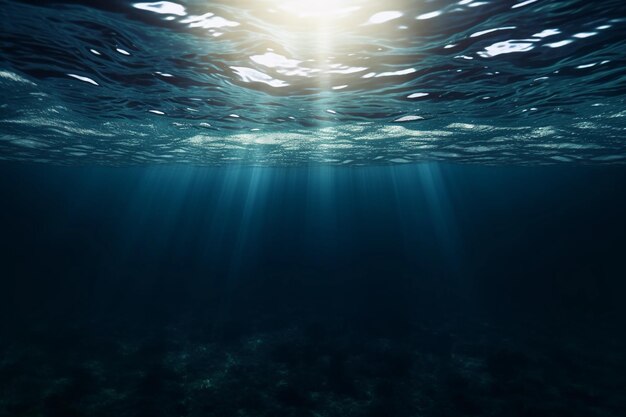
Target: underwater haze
{"type": "Point", "coordinates": [329, 208]}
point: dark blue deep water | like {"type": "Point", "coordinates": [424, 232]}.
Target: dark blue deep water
{"type": "Point", "coordinates": [322, 208]}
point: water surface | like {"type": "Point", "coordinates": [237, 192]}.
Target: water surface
{"type": "Point", "coordinates": [296, 82]}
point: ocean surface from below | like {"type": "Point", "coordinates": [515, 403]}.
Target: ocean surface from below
{"type": "Point", "coordinates": [288, 83]}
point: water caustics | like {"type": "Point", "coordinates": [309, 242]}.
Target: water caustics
{"type": "Point", "coordinates": [290, 82]}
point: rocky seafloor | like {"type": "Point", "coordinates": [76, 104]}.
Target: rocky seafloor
{"type": "Point", "coordinates": [311, 368]}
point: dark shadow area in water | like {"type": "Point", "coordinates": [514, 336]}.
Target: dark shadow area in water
{"type": "Point", "coordinates": [419, 290]}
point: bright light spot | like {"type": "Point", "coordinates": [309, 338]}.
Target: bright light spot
{"type": "Point", "coordinates": [484, 32]}
{"type": "Point", "coordinates": [409, 118]}
{"type": "Point", "coordinates": [559, 44]}
{"type": "Point", "coordinates": [251, 75]}
{"type": "Point", "coordinates": [14, 77]}
{"type": "Point", "coordinates": [84, 79]}
{"type": "Point", "coordinates": [209, 21]}
{"type": "Point", "coordinates": [417, 95]}
{"type": "Point", "coordinates": [522, 4]}
{"type": "Point", "coordinates": [393, 73]}
{"type": "Point", "coordinates": [283, 65]}
{"type": "Point", "coordinates": [383, 17]}
{"type": "Point", "coordinates": [547, 32]}
{"type": "Point", "coordinates": [429, 15]}
{"type": "Point", "coordinates": [273, 60]}
{"type": "Point", "coordinates": [584, 35]}
{"type": "Point", "coordinates": [506, 47]}
{"type": "Point", "coordinates": [162, 7]}
{"type": "Point", "coordinates": [342, 69]}
{"type": "Point", "coordinates": [319, 8]}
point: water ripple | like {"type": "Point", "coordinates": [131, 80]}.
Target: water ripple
{"type": "Point", "coordinates": [292, 82]}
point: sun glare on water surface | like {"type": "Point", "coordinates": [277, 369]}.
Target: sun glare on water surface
{"type": "Point", "coordinates": [318, 8]}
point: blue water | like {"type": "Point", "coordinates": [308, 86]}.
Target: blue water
{"type": "Point", "coordinates": [285, 83]}
{"type": "Point", "coordinates": [429, 289]}
{"type": "Point", "coordinates": [342, 208]}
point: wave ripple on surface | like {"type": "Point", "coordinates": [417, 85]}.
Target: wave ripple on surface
{"type": "Point", "coordinates": [276, 83]}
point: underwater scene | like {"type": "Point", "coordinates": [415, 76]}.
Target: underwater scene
{"type": "Point", "coordinates": [312, 208]}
